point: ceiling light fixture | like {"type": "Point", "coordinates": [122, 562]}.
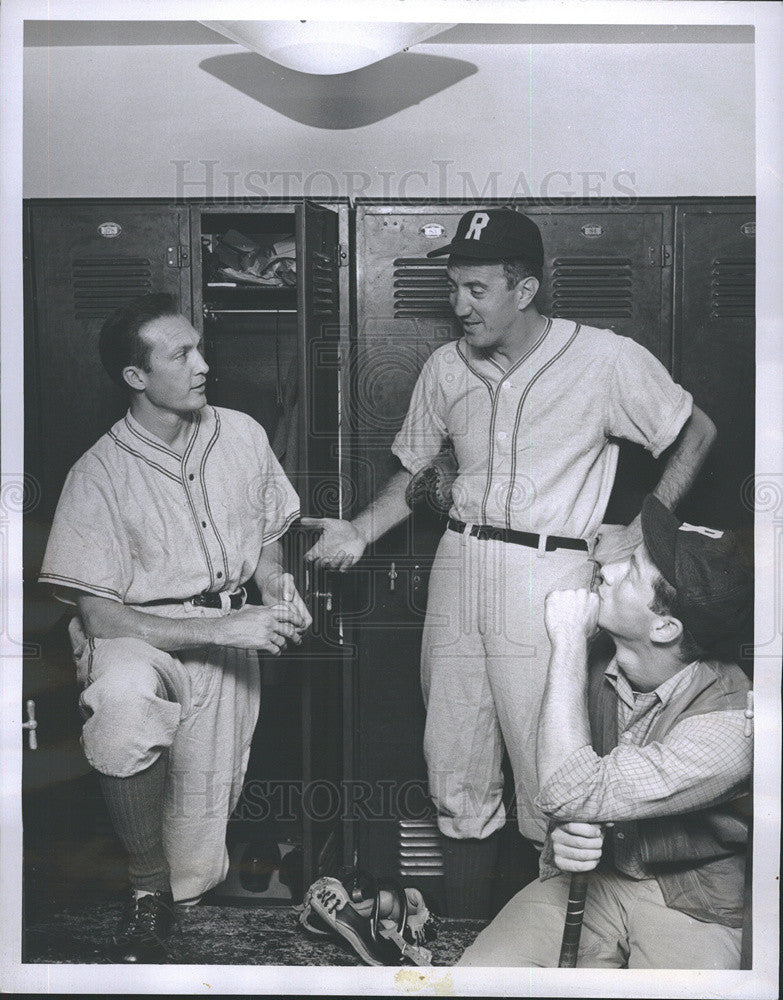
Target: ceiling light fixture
{"type": "Point", "coordinates": [325, 47]}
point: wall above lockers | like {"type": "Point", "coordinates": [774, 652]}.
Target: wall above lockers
{"type": "Point", "coordinates": [478, 110]}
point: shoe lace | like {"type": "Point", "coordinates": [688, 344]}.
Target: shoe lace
{"type": "Point", "coordinates": [145, 917]}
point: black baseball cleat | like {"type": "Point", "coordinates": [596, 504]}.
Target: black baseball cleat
{"type": "Point", "coordinates": [146, 924]}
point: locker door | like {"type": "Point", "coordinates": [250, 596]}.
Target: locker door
{"type": "Point", "coordinates": [715, 348]}
{"type": "Point", "coordinates": [87, 259]}
{"type": "Point", "coordinates": [321, 491]}
{"type": "Point", "coordinates": [319, 357]}
{"type": "Point", "coordinates": [612, 268]}
{"type": "Point", "coordinates": [609, 268]}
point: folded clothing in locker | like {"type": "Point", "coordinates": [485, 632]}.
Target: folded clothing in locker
{"type": "Point", "coordinates": [245, 260]}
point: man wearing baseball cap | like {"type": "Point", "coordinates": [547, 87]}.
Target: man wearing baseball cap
{"type": "Point", "coordinates": [531, 408]}
{"type": "Point", "coordinates": [644, 754]}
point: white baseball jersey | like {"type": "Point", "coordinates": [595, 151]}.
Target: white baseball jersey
{"type": "Point", "coordinates": [138, 523]}
{"type": "Point", "coordinates": [535, 442]}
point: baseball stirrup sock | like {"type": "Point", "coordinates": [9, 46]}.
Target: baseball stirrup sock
{"type": "Point", "coordinates": [135, 806]}
{"type": "Point", "coordinates": [468, 867]}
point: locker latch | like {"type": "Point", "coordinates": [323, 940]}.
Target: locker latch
{"type": "Point", "coordinates": [660, 256]}
{"type": "Point", "coordinates": [178, 256]}
{"type": "Point", "coordinates": [31, 725]}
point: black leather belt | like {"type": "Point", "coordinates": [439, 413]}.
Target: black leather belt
{"type": "Point", "coordinates": [209, 599]}
{"type": "Point", "coordinates": [529, 538]}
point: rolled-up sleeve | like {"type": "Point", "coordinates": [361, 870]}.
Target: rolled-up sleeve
{"type": "Point", "coordinates": [704, 760]}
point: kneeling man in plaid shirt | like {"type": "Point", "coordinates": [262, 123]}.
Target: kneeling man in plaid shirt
{"type": "Point", "coordinates": [644, 751]}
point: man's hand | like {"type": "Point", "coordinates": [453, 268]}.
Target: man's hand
{"type": "Point", "coordinates": [615, 542]}
{"type": "Point", "coordinates": [570, 614]}
{"type": "Point", "coordinates": [257, 627]}
{"type": "Point", "coordinates": [279, 589]}
{"type": "Point", "coordinates": [577, 846]}
{"type": "Point", "coordinates": [340, 544]}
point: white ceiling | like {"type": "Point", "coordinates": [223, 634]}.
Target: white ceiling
{"type": "Point", "coordinates": [63, 33]}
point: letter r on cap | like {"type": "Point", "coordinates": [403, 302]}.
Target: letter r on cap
{"type": "Point", "coordinates": [477, 223]}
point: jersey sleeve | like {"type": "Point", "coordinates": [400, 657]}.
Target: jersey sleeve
{"type": "Point", "coordinates": [88, 548]}
{"type": "Point", "coordinates": [423, 430]}
{"type": "Point", "coordinates": [643, 403]}
{"type": "Point", "coordinates": [278, 500]}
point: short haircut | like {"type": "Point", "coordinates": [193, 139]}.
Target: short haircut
{"type": "Point", "coordinates": [515, 269]}
{"type": "Point", "coordinates": [666, 602]}
{"type": "Point", "coordinates": [120, 344]}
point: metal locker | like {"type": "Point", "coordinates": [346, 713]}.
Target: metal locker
{"type": "Point", "coordinates": [84, 260]}
{"type": "Point", "coordinates": [276, 353]}
{"type": "Point", "coordinates": [714, 348]}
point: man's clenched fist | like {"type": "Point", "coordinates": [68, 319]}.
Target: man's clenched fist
{"type": "Point", "coordinates": [577, 846]}
{"type": "Point", "coordinates": [571, 613]}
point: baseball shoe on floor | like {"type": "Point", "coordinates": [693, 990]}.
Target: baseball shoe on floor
{"type": "Point", "coordinates": [383, 923]}
{"type": "Point", "coordinates": [147, 922]}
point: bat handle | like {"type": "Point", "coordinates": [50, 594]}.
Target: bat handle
{"type": "Point", "coordinates": [577, 894]}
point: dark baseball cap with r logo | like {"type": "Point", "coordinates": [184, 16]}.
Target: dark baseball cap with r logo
{"type": "Point", "coordinates": [492, 234]}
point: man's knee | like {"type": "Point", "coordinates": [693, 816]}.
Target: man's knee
{"type": "Point", "coordinates": [129, 717]}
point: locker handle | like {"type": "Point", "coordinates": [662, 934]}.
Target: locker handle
{"type": "Point", "coordinates": [31, 725]}
{"type": "Point", "coordinates": [392, 574]}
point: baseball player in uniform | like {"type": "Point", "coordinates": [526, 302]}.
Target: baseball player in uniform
{"type": "Point", "coordinates": [158, 527]}
{"type": "Point", "coordinates": [532, 407]}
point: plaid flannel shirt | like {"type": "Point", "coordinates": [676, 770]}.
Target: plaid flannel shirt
{"type": "Point", "coordinates": [703, 760]}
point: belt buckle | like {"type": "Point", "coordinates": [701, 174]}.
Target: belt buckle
{"type": "Point", "coordinates": [488, 533]}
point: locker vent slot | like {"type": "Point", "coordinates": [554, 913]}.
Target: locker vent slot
{"type": "Point", "coordinates": [324, 285]}
{"type": "Point", "coordinates": [419, 848]}
{"type": "Point", "coordinates": [420, 287]}
{"type": "Point", "coordinates": [592, 286]}
{"type": "Point", "coordinates": [102, 284]}
{"type": "Point", "coordinates": [733, 288]}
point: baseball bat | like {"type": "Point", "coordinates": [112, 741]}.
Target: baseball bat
{"type": "Point", "coordinates": [572, 931]}
{"type": "Point", "coordinates": [577, 890]}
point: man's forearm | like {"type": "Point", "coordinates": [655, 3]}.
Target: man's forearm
{"type": "Point", "coordinates": [105, 619]}
{"type": "Point", "coordinates": [563, 724]}
{"type": "Point", "coordinates": [386, 511]}
{"type": "Point", "coordinates": [687, 457]}
{"type": "Point", "coordinates": [270, 565]}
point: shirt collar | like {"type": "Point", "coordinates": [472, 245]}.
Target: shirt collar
{"type": "Point", "coordinates": [664, 692]}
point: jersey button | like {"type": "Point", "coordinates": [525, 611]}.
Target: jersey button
{"type": "Point", "coordinates": [620, 835]}
{"type": "Point", "coordinates": [203, 524]}
{"type": "Point", "coordinates": [219, 575]}
{"type": "Point", "coordinates": [191, 477]}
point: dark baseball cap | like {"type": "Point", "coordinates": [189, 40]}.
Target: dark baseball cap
{"type": "Point", "coordinates": [708, 569]}
{"type": "Point", "coordinates": [496, 234]}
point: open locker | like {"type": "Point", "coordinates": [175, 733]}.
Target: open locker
{"type": "Point", "coordinates": [268, 300]}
